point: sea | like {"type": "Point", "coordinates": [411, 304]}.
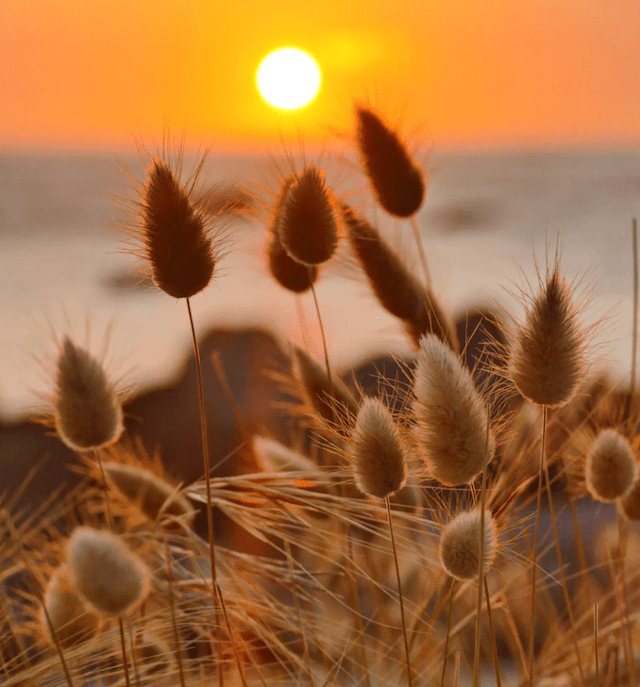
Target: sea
{"type": "Point", "coordinates": [491, 224]}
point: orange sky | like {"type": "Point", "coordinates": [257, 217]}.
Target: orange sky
{"type": "Point", "coordinates": [96, 73]}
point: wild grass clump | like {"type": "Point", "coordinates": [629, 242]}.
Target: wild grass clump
{"type": "Point", "coordinates": [369, 538]}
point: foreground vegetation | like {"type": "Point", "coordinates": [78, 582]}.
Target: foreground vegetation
{"type": "Point", "coordinates": [417, 536]}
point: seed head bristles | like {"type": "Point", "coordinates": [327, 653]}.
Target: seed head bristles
{"type": "Point", "coordinates": [157, 499]}
{"type": "Point", "coordinates": [379, 460]}
{"type": "Point", "coordinates": [72, 620]}
{"type": "Point", "coordinates": [610, 470]}
{"type": "Point", "coordinates": [546, 360]}
{"type": "Point", "coordinates": [331, 400]}
{"type": "Point", "coordinates": [451, 416]}
{"type": "Point", "coordinates": [289, 273]}
{"type": "Point", "coordinates": [460, 544]}
{"type": "Point", "coordinates": [396, 288]}
{"type": "Point", "coordinates": [397, 181]}
{"type": "Point", "coordinates": [87, 411]}
{"type": "Point", "coordinates": [176, 239]}
{"type": "Point", "coordinates": [105, 571]}
{"type": "Point", "coordinates": [630, 503]}
{"type": "Point", "coordinates": [274, 457]}
{"type": "Point", "coordinates": [309, 226]}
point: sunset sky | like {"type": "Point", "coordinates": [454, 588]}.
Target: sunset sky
{"type": "Point", "coordinates": [97, 73]}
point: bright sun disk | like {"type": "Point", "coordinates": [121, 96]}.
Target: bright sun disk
{"type": "Point", "coordinates": [288, 78]}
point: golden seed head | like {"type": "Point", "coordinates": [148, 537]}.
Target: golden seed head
{"type": "Point", "coordinates": [546, 361]}
{"type": "Point", "coordinates": [610, 470]}
{"type": "Point", "coordinates": [451, 430]}
{"type": "Point", "coordinates": [379, 461]}
{"type": "Point", "coordinates": [157, 499]}
{"type": "Point", "coordinates": [397, 181]}
{"type": "Point", "coordinates": [309, 222]}
{"type": "Point", "coordinates": [72, 620]}
{"type": "Point", "coordinates": [105, 571]}
{"type": "Point", "coordinates": [177, 243]}
{"type": "Point", "coordinates": [460, 544]}
{"type": "Point", "coordinates": [87, 412]}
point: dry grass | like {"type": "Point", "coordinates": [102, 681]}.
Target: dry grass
{"type": "Point", "coordinates": [113, 585]}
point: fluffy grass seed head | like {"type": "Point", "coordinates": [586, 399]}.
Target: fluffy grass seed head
{"type": "Point", "coordinates": [379, 460]}
{"type": "Point", "coordinates": [629, 504]}
{"type": "Point", "coordinates": [309, 223]}
{"type": "Point", "coordinates": [87, 411]}
{"type": "Point", "coordinates": [157, 499]}
{"type": "Point", "coordinates": [72, 620]}
{"type": "Point", "coordinates": [610, 470]}
{"type": "Point", "coordinates": [176, 239]}
{"type": "Point", "coordinates": [397, 181]}
{"type": "Point", "coordinates": [451, 429]}
{"type": "Point", "coordinates": [289, 273]}
{"type": "Point", "coordinates": [546, 360]}
{"type": "Point", "coordinates": [397, 289]}
{"type": "Point", "coordinates": [105, 571]}
{"type": "Point", "coordinates": [460, 544]}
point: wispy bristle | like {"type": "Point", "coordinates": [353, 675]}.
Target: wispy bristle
{"type": "Point", "coordinates": [178, 247]}
{"type": "Point", "coordinates": [610, 470]}
{"type": "Point", "coordinates": [105, 571]}
{"type": "Point", "coordinates": [451, 416]}
{"type": "Point", "coordinates": [396, 180]}
{"type": "Point", "coordinates": [546, 361]}
{"type": "Point", "coordinates": [460, 544]}
{"type": "Point", "coordinates": [379, 461]}
{"type": "Point", "coordinates": [309, 222]}
{"type": "Point", "coordinates": [396, 288]}
{"type": "Point", "coordinates": [87, 411]}
{"type": "Point", "coordinates": [157, 499]}
{"type": "Point", "coordinates": [331, 400]}
{"type": "Point", "coordinates": [72, 620]}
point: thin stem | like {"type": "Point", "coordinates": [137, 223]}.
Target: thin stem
{"type": "Point", "coordinates": [595, 642]}
{"type": "Point", "coordinates": [395, 560]}
{"type": "Point", "coordinates": [492, 635]}
{"type": "Point", "coordinates": [322, 334]}
{"type": "Point", "coordinates": [446, 641]}
{"type": "Point", "coordinates": [123, 646]}
{"type": "Point", "coordinates": [54, 636]}
{"type": "Point", "coordinates": [456, 670]}
{"type": "Point", "coordinates": [634, 333]}
{"type": "Point", "coordinates": [207, 477]}
{"type": "Point", "coordinates": [423, 258]}
{"type": "Point", "coordinates": [534, 550]}
{"type": "Point", "coordinates": [176, 634]}
{"type": "Point", "coordinates": [233, 644]}
{"type": "Point", "coordinates": [105, 489]}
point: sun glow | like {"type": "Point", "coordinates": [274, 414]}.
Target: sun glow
{"type": "Point", "coordinates": [288, 78]}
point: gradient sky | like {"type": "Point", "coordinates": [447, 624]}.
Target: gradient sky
{"type": "Point", "coordinates": [97, 73]}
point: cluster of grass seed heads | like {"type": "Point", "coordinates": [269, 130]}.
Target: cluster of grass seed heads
{"type": "Point", "coordinates": [330, 399]}
{"type": "Point", "coordinates": [377, 453]}
{"type": "Point", "coordinates": [175, 235]}
{"type": "Point", "coordinates": [397, 289]}
{"type": "Point", "coordinates": [153, 496]}
{"type": "Point", "coordinates": [309, 222]}
{"type": "Point", "coordinates": [105, 571]}
{"type": "Point", "coordinates": [72, 620]}
{"type": "Point", "coordinates": [610, 470]}
{"type": "Point", "coordinates": [460, 544]}
{"type": "Point", "coordinates": [451, 432]}
{"type": "Point", "coordinates": [289, 273]}
{"type": "Point", "coordinates": [546, 361]}
{"type": "Point", "coordinates": [397, 181]}
{"type": "Point", "coordinates": [87, 410]}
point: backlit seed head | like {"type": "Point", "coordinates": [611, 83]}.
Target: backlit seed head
{"type": "Point", "coordinates": [176, 240]}
{"type": "Point", "coordinates": [157, 499]}
{"type": "Point", "coordinates": [72, 620]}
{"type": "Point", "coordinates": [379, 461]}
{"type": "Point", "coordinates": [460, 544]}
{"type": "Point", "coordinates": [105, 571]}
{"type": "Point", "coordinates": [610, 467]}
{"type": "Point", "coordinates": [309, 224]}
{"type": "Point", "coordinates": [630, 503]}
{"type": "Point", "coordinates": [546, 361]}
{"type": "Point", "coordinates": [451, 429]}
{"type": "Point", "coordinates": [87, 411]}
{"type": "Point", "coordinates": [397, 181]}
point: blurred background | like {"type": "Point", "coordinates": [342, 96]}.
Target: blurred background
{"type": "Point", "coordinates": [525, 117]}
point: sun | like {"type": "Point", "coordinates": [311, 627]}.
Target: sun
{"type": "Point", "coordinates": [288, 78]}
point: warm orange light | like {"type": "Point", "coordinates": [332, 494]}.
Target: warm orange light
{"type": "Point", "coordinates": [288, 78]}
